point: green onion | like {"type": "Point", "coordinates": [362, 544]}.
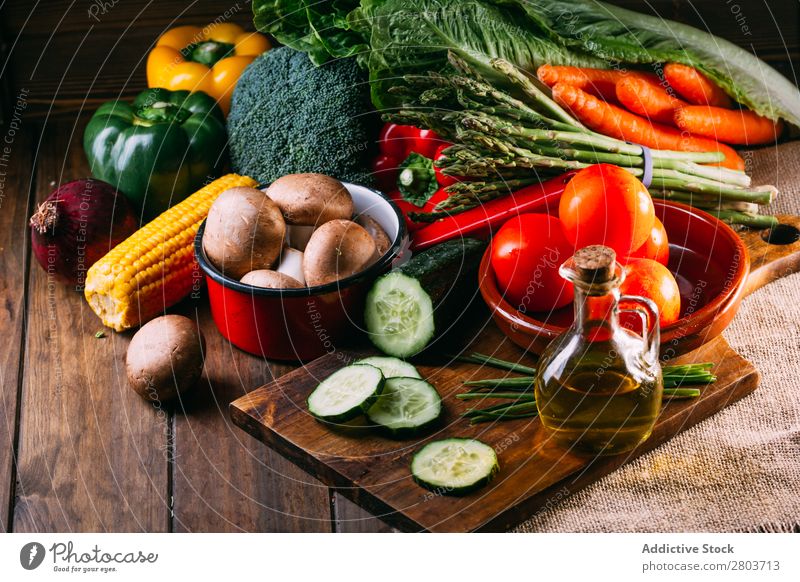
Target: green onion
{"type": "Point", "coordinates": [476, 358]}
{"type": "Point", "coordinates": [679, 393]}
{"type": "Point", "coordinates": [474, 395]}
{"type": "Point", "coordinates": [520, 382]}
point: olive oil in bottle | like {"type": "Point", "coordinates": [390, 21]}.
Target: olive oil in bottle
{"type": "Point", "coordinates": [599, 387]}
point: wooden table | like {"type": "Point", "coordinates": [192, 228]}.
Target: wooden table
{"type": "Point", "coordinates": [79, 450]}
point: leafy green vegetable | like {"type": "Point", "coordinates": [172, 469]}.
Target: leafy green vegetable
{"type": "Point", "coordinates": [417, 179]}
{"type": "Point", "coordinates": [403, 37]}
{"type": "Point", "coordinates": [317, 27]}
{"type": "Point", "coordinates": [618, 35]}
{"type": "Point", "coordinates": [413, 36]}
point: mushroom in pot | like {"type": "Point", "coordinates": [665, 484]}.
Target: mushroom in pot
{"type": "Point", "coordinates": [375, 230]}
{"type": "Point", "coordinates": [307, 201]}
{"type": "Point", "coordinates": [244, 232]}
{"type": "Point", "coordinates": [337, 249]}
{"type": "Point", "coordinates": [271, 280]}
{"type": "Point", "coordinates": [292, 264]}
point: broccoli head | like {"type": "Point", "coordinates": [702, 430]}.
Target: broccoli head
{"type": "Point", "coordinates": [288, 116]}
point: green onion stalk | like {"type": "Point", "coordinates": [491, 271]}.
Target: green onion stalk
{"type": "Point", "coordinates": [503, 142]}
{"type": "Point", "coordinates": [680, 382]}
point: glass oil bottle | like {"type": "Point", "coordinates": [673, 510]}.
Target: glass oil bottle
{"type": "Point", "coordinates": [599, 385]}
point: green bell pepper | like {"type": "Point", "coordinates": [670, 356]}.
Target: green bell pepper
{"type": "Point", "coordinates": [159, 149]}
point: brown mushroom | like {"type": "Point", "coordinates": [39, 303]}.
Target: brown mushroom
{"type": "Point", "coordinates": [271, 280]}
{"type": "Point", "coordinates": [375, 230]}
{"type": "Point", "coordinates": [337, 249]}
{"type": "Point", "coordinates": [165, 358]}
{"type": "Point", "coordinates": [291, 264]}
{"type": "Point", "coordinates": [311, 199]}
{"type": "Point", "coordinates": [244, 232]}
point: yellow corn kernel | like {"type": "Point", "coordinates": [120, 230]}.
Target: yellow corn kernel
{"type": "Point", "coordinates": [152, 269]}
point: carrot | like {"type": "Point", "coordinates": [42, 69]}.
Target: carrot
{"type": "Point", "coordinates": [648, 100]}
{"type": "Point", "coordinates": [694, 86]}
{"type": "Point", "coordinates": [728, 125]}
{"type": "Point", "coordinates": [615, 122]}
{"type": "Point", "coordinates": [599, 82]}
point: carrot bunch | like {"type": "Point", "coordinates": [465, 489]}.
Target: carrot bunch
{"type": "Point", "coordinates": [508, 133]}
{"type": "Point", "coordinates": [685, 111]}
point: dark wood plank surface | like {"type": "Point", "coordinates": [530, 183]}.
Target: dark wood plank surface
{"type": "Point", "coordinates": [350, 518]}
{"type": "Point", "coordinates": [223, 479]}
{"type": "Point", "coordinates": [16, 181]}
{"type": "Point", "coordinates": [373, 470]}
{"type": "Point", "coordinates": [93, 456]}
{"type": "Point", "coordinates": [91, 452]}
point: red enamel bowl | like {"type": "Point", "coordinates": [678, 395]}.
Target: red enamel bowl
{"type": "Point", "coordinates": [300, 324]}
{"type": "Point", "coordinates": [710, 263]}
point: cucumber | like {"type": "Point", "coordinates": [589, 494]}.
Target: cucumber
{"type": "Point", "coordinates": [406, 406]}
{"type": "Point", "coordinates": [347, 393]}
{"type": "Point", "coordinates": [454, 466]}
{"type": "Point", "coordinates": [391, 367]}
{"type": "Point", "coordinates": [409, 306]}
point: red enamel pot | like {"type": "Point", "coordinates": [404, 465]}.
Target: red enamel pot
{"type": "Point", "coordinates": [301, 324]}
{"type": "Point", "coordinates": [709, 260]}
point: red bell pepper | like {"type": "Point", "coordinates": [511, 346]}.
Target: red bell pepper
{"type": "Point", "coordinates": [485, 219]}
{"type": "Point", "coordinates": [385, 169]}
{"type": "Point", "coordinates": [426, 143]}
{"type": "Point", "coordinates": [396, 142]}
{"type": "Point", "coordinates": [443, 179]}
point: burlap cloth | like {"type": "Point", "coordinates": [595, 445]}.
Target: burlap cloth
{"type": "Point", "coordinates": [740, 469]}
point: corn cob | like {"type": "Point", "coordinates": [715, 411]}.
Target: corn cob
{"type": "Point", "coordinates": [155, 267]}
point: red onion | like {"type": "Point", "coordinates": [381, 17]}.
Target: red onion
{"type": "Point", "coordinates": [77, 225]}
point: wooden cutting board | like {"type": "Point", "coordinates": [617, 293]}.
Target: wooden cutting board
{"type": "Point", "coordinates": [373, 471]}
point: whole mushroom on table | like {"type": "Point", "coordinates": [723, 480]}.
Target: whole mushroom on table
{"type": "Point", "coordinates": [300, 231]}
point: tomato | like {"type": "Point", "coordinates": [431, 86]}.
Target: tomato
{"type": "Point", "coordinates": [647, 278]}
{"type": "Point", "coordinates": [426, 143]}
{"type": "Point", "coordinates": [605, 205]}
{"type": "Point", "coordinates": [396, 140]}
{"type": "Point", "coordinates": [656, 246]}
{"type": "Point", "coordinates": [443, 180]}
{"type": "Point", "coordinates": [526, 254]}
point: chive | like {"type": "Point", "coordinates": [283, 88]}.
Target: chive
{"type": "Point", "coordinates": [512, 395]}
{"type": "Point", "coordinates": [100, 334]}
{"type": "Point", "coordinates": [489, 418]}
{"type": "Point", "coordinates": [478, 411]}
{"type": "Point", "coordinates": [679, 393]}
{"type": "Point", "coordinates": [504, 411]}
{"type": "Point", "coordinates": [477, 358]}
{"type": "Point", "coordinates": [522, 381]}
{"type": "Point", "coordinates": [675, 382]}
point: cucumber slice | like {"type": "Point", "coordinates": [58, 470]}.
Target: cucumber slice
{"type": "Point", "coordinates": [454, 466]}
{"type": "Point", "coordinates": [346, 393]}
{"type": "Point", "coordinates": [391, 367]}
{"type": "Point", "coordinates": [406, 406]}
{"type": "Point", "coordinates": [399, 315]}
{"type": "Point", "coordinates": [406, 308]}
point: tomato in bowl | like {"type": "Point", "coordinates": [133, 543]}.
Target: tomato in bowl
{"type": "Point", "coordinates": [710, 264]}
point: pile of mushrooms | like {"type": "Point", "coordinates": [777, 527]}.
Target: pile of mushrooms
{"type": "Point", "coordinates": [298, 232]}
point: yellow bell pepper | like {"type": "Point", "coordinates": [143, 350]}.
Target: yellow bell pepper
{"type": "Point", "coordinates": [208, 59]}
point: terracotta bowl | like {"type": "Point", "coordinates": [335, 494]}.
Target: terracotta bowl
{"type": "Point", "coordinates": [710, 263]}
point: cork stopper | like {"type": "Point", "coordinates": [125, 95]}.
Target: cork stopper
{"type": "Point", "coordinates": [595, 264]}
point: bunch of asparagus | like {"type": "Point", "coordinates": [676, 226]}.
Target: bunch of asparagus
{"type": "Point", "coordinates": [505, 142]}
